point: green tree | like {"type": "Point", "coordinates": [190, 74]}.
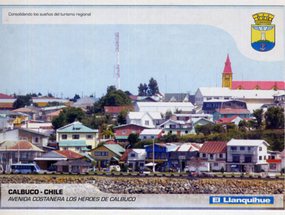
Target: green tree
{"type": "Point", "coordinates": [133, 138]}
{"type": "Point", "coordinates": [23, 101]}
{"type": "Point", "coordinates": [76, 97]}
{"type": "Point", "coordinates": [52, 104]}
{"type": "Point", "coordinates": [142, 89]}
{"type": "Point", "coordinates": [59, 121]}
{"type": "Point", "coordinates": [258, 116]}
{"type": "Point", "coordinates": [274, 118]}
{"type": "Point", "coordinates": [168, 114]}
{"type": "Point", "coordinates": [122, 115]}
{"type": "Point", "coordinates": [74, 113]}
{"type": "Point", "coordinates": [231, 126]}
{"type": "Point", "coordinates": [152, 87]}
{"type": "Point", "coordinates": [218, 128]}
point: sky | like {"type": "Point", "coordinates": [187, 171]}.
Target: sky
{"type": "Point", "coordinates": [69, 59]}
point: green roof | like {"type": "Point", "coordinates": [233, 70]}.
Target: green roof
{"type": "Point", "coordinates": [85, 149]}
{"type": "Point", "coordinates": [78, 143]}
{"type": "Point", "coordinates": [115, 158]}
{"type": "Point", "coordinates": [88, 156]}
{"type": "Point", "coordinates": [117, 149]}
{"type": "Point", "coordinates": [76, 127]}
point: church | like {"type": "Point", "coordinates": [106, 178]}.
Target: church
{"type": "Point", "coordinates": [248, 85]}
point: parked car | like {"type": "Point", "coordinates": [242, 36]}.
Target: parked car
{"type": "Point", "coordinates": [115, 168]}
{"type": "Point", "coordinates": [51, 168]}
{"type": "Point", "coordinates": [1, 169]}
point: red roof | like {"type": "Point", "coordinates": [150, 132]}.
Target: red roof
{"type": "Point", "coordinates": [228, 120]}
{"type": "Point", "coordinates": [273, 160]}
{"type": "Point", "coordinates": [22, 144]}
{"type": "Point", "coordinates": [55, 113]}
{"type": "Point", "coordinates": [237, 111]}
{"type": "Point", "coordinates": [69, 154]}
{"type": "Point", "coordinates": [132, 97]}
{"type": "Point", "coordinates": [264, 85]}
{"type": "Point", "coordinates": [214, 147]}
{"type": "Point", "coordinates": [228, 68]}
{"type": "Point", "coordinates": [125, 155]}
{"type": "Point", "coordinates": [116, 109]}
{"type": "Point", "coordinates": [110, 142]}
{"type": "Point", "coordinates": [3, 96]}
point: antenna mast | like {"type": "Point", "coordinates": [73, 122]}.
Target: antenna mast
{"type": "Point", "coordinates": [117, 51]}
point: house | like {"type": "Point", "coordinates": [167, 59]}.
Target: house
{"type": "Point", "coordinates": [15, 151]}
{"type": "Point", "coordinates": [177, 127]}
{"type": "Point", "coordinates": [122, 132]}
{"type": "Point", "coordinates": [115, 110]}
{"type": "Point", "coordinates": [48, 159]}
{"type": "Point", "coordinates": [196, 121]}
{"type": "Point", "coordinates": [43, 101]}
{"type": "Point", "coordinates": [136, 158]}
{"type": "Point", "coordinates": [26, 110]}
{"type": "Point", "coordinates": [163, 107]}
{"type": "Point", "coordinates": [233, 120]}
{"type": "Point", "coordinates": [179, 155]}
{"type": "Point", "coordinates": [210, 106]}
{"type": "Point", "coordinates": [151, 134]}
{"type": "Point", "coordinates": [72, 166]}
{"type": "Point", "coordinates": [274, 161]}
{"type": "Point", "coordinates": [84, 102]}
{"type": "Point", "coordinates": [160, 155]}
{"type": "Point", "coordinates": [39, 126]}
{"type": "Point", "coordinates": [220, 114]}
{"type": "Point", "coordinates": [179, 97]}
{"type": "Point", "coordinates": [37, 138]}
{"type": "Point", "coordinates": [107, 154]}
{"type": "Point", "coordinates": [204, 94]}
{"type": "Point", "coordinates": [6, 102]}
{"type": "Point", "coordinates": [246, 155]}
{"type": "Point", "coordinates": [146, 119]}
{"type": "Point", "coordinates": [76, 137]}
{"type": "Point", "coordinates": [214, 153]}
{"type": "Point", "coordinates": [186, 117]}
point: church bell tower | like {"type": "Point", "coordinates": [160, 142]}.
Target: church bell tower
{"type": "Point", "coordinates": [227, 74]}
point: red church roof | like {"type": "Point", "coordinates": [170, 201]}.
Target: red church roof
{"type": "Point", "coordinates": [228, 68]}
{"type": "Point", "coordinates": [264, 85]}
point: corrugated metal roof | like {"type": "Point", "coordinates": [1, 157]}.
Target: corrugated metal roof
{"type": "Point", "coordinates": [116, 148]}
{"type": "Point", "coordinates": [69, 154]}
{"type": "Point", "coordinates": [70, 143]}
{"type": "Point", "coordinates": [214, 147]}
{"type": "Point", "coordinates": [116, 109]}
{"type": "Point", "coordinates": [237, 111]}
{"type": "Point", "coordinates": [242, 142]}
{"type": "Point", "coordinates": [76, 127]}
{"type": "Point", "coordinates": [151, 131]}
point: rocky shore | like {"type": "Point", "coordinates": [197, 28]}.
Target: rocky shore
{"type": "Point", "coordinates": [160, 185]}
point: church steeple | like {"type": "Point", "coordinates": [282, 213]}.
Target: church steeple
{"type": "Point", "coordinates": [227, 74]}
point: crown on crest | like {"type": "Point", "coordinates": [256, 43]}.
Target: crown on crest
{"type": "Point", "coordinates": [263, 18]}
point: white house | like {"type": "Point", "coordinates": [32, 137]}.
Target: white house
{"type": "Point", "coordinates": [163, 107]}
{"type": "Point", "coordinates": [177, 127]}
{"type": "Point", "coordinates": [147, 119]}
{"type": "Point", "coordinates": [247, 155]}
{"type": "Point", "coordinates": [150, 134]}
{"type": "Point", "coordinates": [212, 93]}
{"type": "Point", "coordinates": [214, 153]}
{"type": "Point", "coordinates": [274, 161]}
{"type": "Point", "coordinates": [136, 157]}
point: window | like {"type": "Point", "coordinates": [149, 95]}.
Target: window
{"type": "Point", "coordinates": [97, 153]}
{"type": "Point", "coordinates": [75, 136]}
{"type": "Point", "coordinates": [209, 98]}
{"type": "Point", "coordinates": [236, 158]}
{"type": "Point", "coordinates": [64, 136]}
{"type": "Point", "coordinates": [272, 166]}
{"type": "Point", "coordinates": [227, 98]}
{"type": "Point", "coordinates": [211, 156]}
{"type": "Point", "coordinates": [89, 136]}
{"type": "Point", "coordinates": [130, 165]}
{"type": "Point", "coordinates": [260, 158]}
{"type": "Point", "coordinates": [216, 98]}
{"type": "Point", "coordinates": [233, 148]}
{"type": "Point", "coordinates": [273, 157]}
{"type": "Point", "coordinates": [186, 132]}
{"type": "Point", "coordinates": [248, 148]}
{"type": "Point", "coordinates": [170, 132]}
{"type": "Point", "coordinates": [242, 148]}
{"type": "Point", "coordinates": [216, 164]}
{"type": "Point", "coordinates": [264, 157]}
{"type": "Point", "coordinates": [160, 147]}
{"type": "Point", "coordinates": [133, 155]}
{"type": "Point", "coordinates": [141, 164]}
{"type": "Point", "coordinates": [146, 122]}
{"type": "Point", "coordinates": [124, 132]}
{"type": "Point", "coordinates": [172, 126]}
{"type": "Point", "coordinates": [260, 149]}
{"type": "Point", "coordinates": [24, 138]}
{"type": "Point", "coordinates": [221, 155]}
{"type": "Point", "coordinates": [77, 148]}
{"type": "Point", "coordinates": [35, 140]}
{"type": "Point", "coordinates": [163, 155]}
{"type": "Point", "coordinates": [204, 155]}
{"type": "Point", "coordinates": [133, 131]}
{"type": "Point", "coordinates": [104, 153]}
{"type": "Point", "coordinates": [268, 156]}
{"type": "Point", "coordinates": [152, 137]}
{"type": "Point", "coordinates": [226, 115]}
{"type": "Point", "coordinates": [65, 148]}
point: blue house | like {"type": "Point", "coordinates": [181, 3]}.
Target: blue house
{"type": "Point", "coordinates": [161, 154]}
{"type": "Point", "coordinates": [228, 113]}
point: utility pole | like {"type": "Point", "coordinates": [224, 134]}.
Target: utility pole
{"type": "Point", "coordinates": [117, 50]}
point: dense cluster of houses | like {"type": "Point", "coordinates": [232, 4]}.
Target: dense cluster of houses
{"type": "Point", "coordinates": [25, 131]}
